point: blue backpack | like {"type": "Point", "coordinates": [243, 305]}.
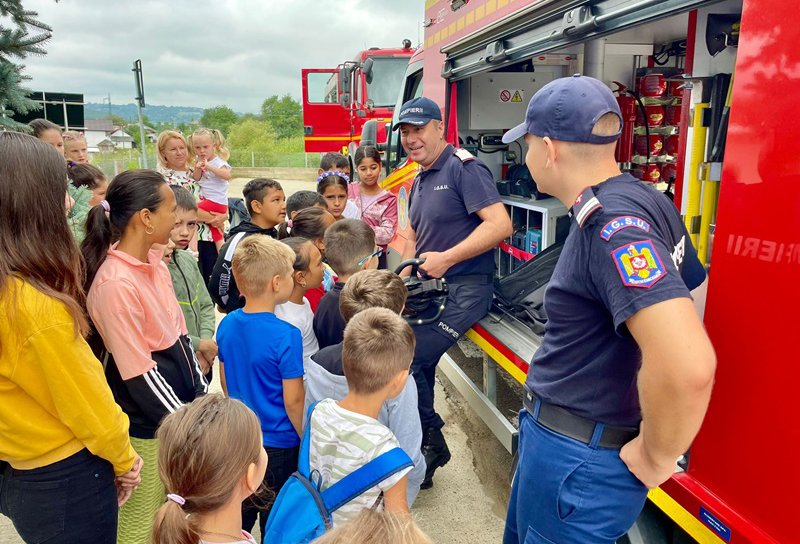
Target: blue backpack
{"type": "Point", "coordinates": [302, 512]}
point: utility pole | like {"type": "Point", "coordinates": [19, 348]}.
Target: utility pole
{"type": "Point", "coordinates": [137, 71]}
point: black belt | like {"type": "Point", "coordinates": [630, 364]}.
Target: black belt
{"type": "Point", "coordinates": [471, 279]}
{"type": "Point", "coordinates": [564, 422]}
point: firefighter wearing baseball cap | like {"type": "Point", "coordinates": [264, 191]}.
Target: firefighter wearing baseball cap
{"type": "Point", "coordinates": [620, 385]}
{"type": "Point", "coordinates": [456, 219]}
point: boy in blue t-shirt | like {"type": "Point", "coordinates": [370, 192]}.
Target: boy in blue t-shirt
{"type": "Point", "coordinates": [261, 359]}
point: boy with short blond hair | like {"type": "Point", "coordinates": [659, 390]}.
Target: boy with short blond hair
{"type": "Point", "coordinates": [346, 435]}
{"type": "Point", "coordinates": [261, 358]}
{"type": "Point", "coordinates": [349, 247]}
{"type": "Point", "coordinates": [325, 375]}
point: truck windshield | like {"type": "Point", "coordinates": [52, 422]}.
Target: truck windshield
{"type": "Point", "coordinates": [387, 76]}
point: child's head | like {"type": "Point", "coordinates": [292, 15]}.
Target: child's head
{"type": "Point", "coordinates": [302, 200]}
{"type": "Point", "coordinates": [263, 266]}
{"type": "Point", "coordinates": [376, 527]}
{"type": "Point", "coordinates": [372, 289]}
{"type": "Point", "coordinates": [350, 247]}
{"type": "Point", "coordinates": [310, 223]}
{"type": "Point", "coordinates": [49, 133]}
{"type": "Point", "coordinates": [210, 455]}
{"type": "Point", "coordinates": [334, 161]}
{"type": "Point", "coordinates": [75, 148]}
{"type": "Point", "coordinates": [207, 143]}
{"type": "Point", "coordinates": [265, 198]}
{"type": "Point", "coordinates": [307, 266]}
{"type": "Point", "coordinates": [377, 352]}
{"type": "Point", "coordinates": [186, 212]}
{"type": "Point", "coordinates": [172, 150]}
{"type": "Point", "coordinates": [333, 188]}
{"type": "Point", "coordinates": [367, 159]}
{"type": "Point", "coordinates": [91, 177]}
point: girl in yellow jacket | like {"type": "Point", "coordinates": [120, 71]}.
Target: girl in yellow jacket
{"type": "Point", "coordinates": [66, 461]}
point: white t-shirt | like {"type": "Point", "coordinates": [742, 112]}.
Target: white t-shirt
{"type": "Point", "coordinates": [301, 316]}
{"type": "Point", "coordinates": [212, 187]}
{"type": "Point", "coordinates": [342, 442]}
{"type": "Point", "coordinates": [351, 211]}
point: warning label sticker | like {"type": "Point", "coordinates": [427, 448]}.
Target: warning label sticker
{"type": "Point", "coordinates": [517, 96]}
{"type": "Point", "coordinates": [505, 95]}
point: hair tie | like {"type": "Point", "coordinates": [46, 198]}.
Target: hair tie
{"type": "Point", "coordinates": [71, 164]}
{"type": "Point", "coordinates": [329, 173]}
{"type": "Point", "coordinates": [177, 499]}
{"type": "Point", "coordinates": [106, 206]}
{"type": "Point", "coordinates": [290, 223]}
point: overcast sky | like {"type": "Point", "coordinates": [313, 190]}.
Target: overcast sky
{"type": "Point", "coordinates": [204, 53]}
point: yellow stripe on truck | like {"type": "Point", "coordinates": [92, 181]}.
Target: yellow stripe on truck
{"type": "Point", "coordinates": [400, 176]}
{"type": "Point", "coordinates": [683, 518]}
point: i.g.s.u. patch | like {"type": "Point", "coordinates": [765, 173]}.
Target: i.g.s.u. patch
{"type": "Point", "coordinates": [623, 222]}
{"type": "Point", "coordinates": [639, 264]}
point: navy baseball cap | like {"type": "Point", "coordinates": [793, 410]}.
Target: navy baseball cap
{"type": "Point", "coordinates": [418, 111]}
{"type": "Point", "coordinates": [567, 109]}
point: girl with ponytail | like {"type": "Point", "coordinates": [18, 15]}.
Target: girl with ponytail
{"type": "Point", "coordinates": [149, 359]}
{"type": "Point", "coordinates": [210, 459]}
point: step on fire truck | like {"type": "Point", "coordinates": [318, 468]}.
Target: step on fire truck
{"type": "Point", "coordinates": [709, 94]}
{"type": "Point", "coordinates": [338, 101]}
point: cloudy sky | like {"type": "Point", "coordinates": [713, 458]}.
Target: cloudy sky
{"type": "Point", "coordinates": [204, 53]}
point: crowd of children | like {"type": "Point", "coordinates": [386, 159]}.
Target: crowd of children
{"type": "Point", "coordinates": [313, 354]}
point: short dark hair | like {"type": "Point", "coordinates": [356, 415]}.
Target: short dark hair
{"type": "Point", "coordinates": [40, 126]}
{"type": "Point", "coordinates": [183, 198]}
{"type": "Point", "coordinates": [333, 160]}
{"type": "Point", "coordinates": [85, 175]}
{"type": "Point", "coordinates": [302, 200]}
{"type": "Point", "coordinates": [256, 189]}
{"type": "Point", "coordinates": [347, 242]}
{"type": "Point", "coordinates": [372, 289]}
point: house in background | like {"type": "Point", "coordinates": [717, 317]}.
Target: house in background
{"type": "Point", "coordinates": [96, 131]}
{"type": "Point", "coordinates": [151, 134]}
{"type": "Point", "coordinates": [121, 139]}
{"type": "Point", "coordinates": [106, 146]}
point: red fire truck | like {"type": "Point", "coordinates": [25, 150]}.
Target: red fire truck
{"type": "Point", "coordinates": [338, 101]}
{"type": "Point", "coordinates": [700, 71]}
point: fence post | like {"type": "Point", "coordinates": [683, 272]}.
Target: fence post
{"type": "Point", "coordinates": [305, 156]}
{"type": "Point", "coordinates": [116, 168]}
{"type": "Point", "coordinates": [253, 159]}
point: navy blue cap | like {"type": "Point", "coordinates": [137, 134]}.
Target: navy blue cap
{"type": "Point", "coordinates": [567, 109]}
{"type": "Point", "coordinates": [418, 111]}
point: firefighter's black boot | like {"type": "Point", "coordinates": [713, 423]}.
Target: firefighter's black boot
{"type": "Point", "coordinates": [436, 453]}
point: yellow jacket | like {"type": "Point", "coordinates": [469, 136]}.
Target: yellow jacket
{"type": "Point", "coordinates": [54, 399]}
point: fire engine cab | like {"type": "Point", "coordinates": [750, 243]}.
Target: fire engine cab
{"type": "Point", "coordinates": [338, 101]}
{"type": "Point", "coordinates": [708, 92]}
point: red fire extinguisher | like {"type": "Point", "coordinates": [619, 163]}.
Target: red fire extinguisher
{"type": "Point", "coordinates": [627, 105]}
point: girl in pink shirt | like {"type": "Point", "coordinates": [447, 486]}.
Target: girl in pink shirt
{"type": "Point", "coordinates": [149, 359]}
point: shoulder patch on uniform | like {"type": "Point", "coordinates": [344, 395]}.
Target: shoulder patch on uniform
{"type": "Point", "coordinates": [639, 264]}
{"type": "Point", "coordinates": [623, 222]}
{"type": "Point", "coordinates": [585, 205]}
{"type": "Point", "coordinates": [464, 155]}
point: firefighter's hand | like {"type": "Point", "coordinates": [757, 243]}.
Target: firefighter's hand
{"type": "Point", "coordinates": [436, 264]}
{"type": "Point", "coordinates": [651, 472]}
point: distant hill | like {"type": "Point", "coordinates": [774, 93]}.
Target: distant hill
{"type": "Point", "coordinates": [156, 114]}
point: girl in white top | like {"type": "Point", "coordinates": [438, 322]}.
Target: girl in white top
{"type": "Point", "coordinates": [210, 458]}
{"type": "Point", "coordinates": [213, 174]}
{"type": "Point", "coordinates": [308, 273]}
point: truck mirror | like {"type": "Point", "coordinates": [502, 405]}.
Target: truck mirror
{"type": "Point", "coordinates": [369, 133]}
{"type": "Point", "coordinates": [344, 99]}
{"type": "Point", "coordinates": [366, 68]}
{"type": "Point", "coordinates": [344, 81]}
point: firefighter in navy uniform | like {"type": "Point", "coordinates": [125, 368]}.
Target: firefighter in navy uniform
{"type": "Point", "coordinates": [456, 219]}
{"type": "Point", "coordinates": [620, 385]}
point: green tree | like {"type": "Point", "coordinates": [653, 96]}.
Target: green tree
{"type": "Point", "coordinates": [17, 43]}
{"type": "Point", "coordinates": [118, 120]}
{"type": "Point", "coordinates": [252, 135]}
{"type": "Point", "coordinates": [285, 114]}
{"type": "Point", "coordinates": [219, 117]}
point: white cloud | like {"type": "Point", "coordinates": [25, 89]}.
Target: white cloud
{"type": "Point", "coordinates": [204, 53]}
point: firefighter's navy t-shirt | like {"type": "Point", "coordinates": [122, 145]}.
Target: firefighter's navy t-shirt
{"type": "Point", "coordinates": [443, 208]}
{"type": "Point", "coordinates": [630, 254]}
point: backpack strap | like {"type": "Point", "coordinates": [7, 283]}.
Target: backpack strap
{"type": "Point", "coordinates": [303, 463]}
{"type": "Point", "coordinates": [366, 477]}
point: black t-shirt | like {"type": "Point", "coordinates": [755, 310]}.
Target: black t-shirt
{"type": "Point", "coordinates": [328, 321]}
{"type": "Point", "coordinates": [443, 204]}
{"type": "Point", "coordinates": [627, 249]}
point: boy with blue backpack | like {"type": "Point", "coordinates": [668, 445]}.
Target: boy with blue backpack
{"type": "Point", "coordinates": [348, 460]}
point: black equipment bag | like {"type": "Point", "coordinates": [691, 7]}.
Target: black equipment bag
{"type": "Point", "coordinates": [521, 293]}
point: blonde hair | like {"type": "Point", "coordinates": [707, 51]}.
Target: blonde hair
{"type": "Point", "coordinates": [373, 527]}
{"type": "Point", "coordinates": [163, 139]}
{"type": "Point", "coordinates": [204, 450]}
{"type": "Point", "coordinates": [378, 344]}
{"type": "Point", "coordinates": [71, 136]}
{"type": "Point", "coordinates": [372, 289]}
{"type": "Point", "coordinates": [217, 139]}
{"type": "Point", "coordinates": [258, 259]}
